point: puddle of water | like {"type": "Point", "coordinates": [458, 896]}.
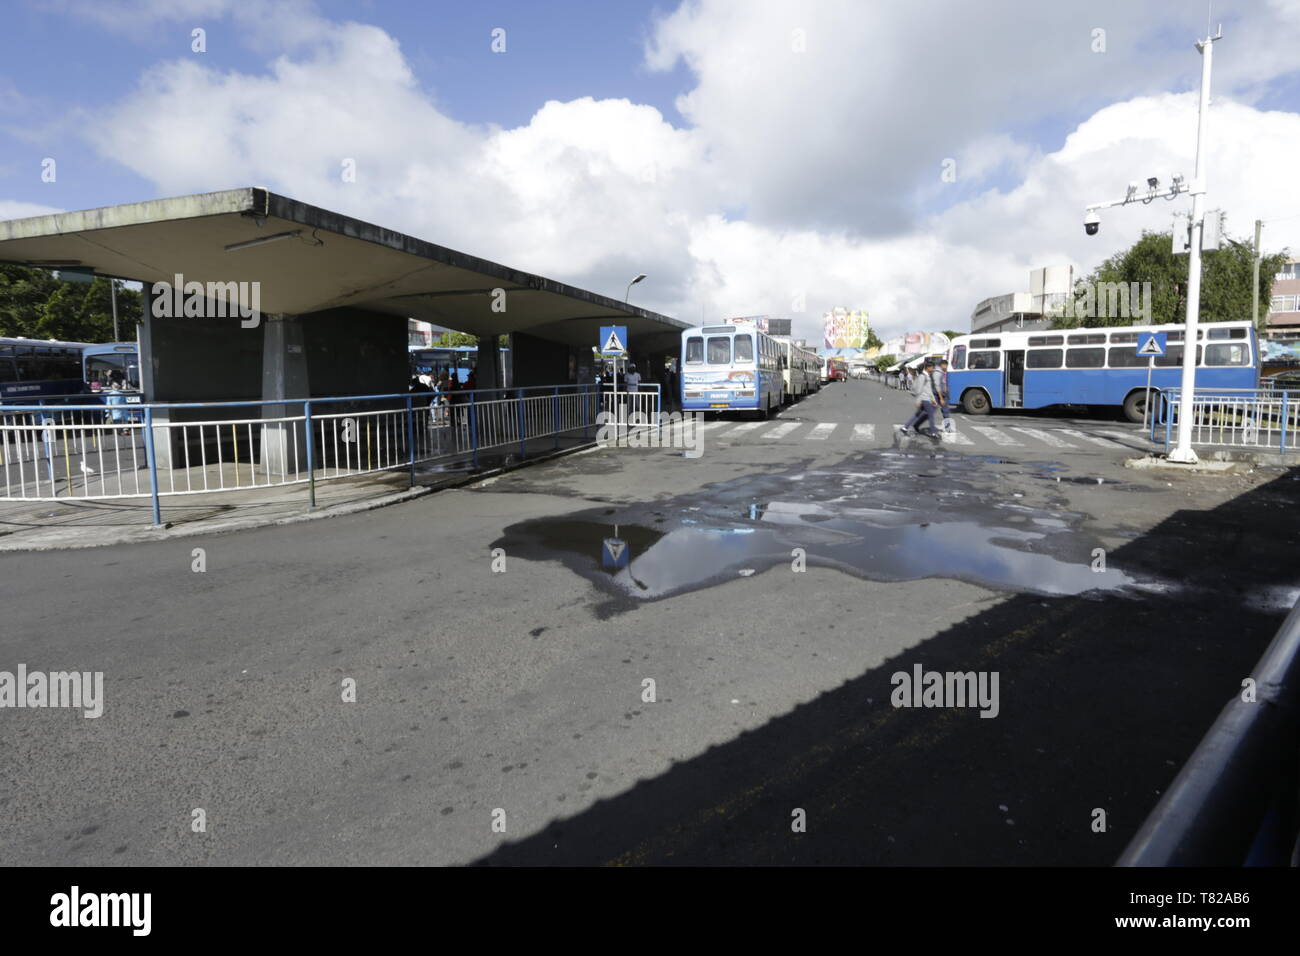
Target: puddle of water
{"type": "Point", "coordinates": [887, 547]}
{"type": "Point", "coordinates": [890, 522]}
{"type": "Point", "coordinates": [1077, 479]}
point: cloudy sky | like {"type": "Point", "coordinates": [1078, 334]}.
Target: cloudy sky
{"type": "Point", "coordinates": [751, 156]}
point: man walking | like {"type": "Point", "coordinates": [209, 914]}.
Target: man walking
{"type": "Point", "coordinates": [926, 405]}
{"type": "Point", "coordinates": [945, 399]}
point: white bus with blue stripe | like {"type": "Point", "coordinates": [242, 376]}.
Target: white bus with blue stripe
{"type": "Point", "coordinates": [731, 368]}
{"type": "Point", "coordinates": [1094, 367]}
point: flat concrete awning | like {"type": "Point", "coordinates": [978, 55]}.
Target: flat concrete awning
{"type": "Point", "coordinates": [332, 261]}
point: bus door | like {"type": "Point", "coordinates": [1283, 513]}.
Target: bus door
{"type": "Point", "coordinates": [1014, 382]}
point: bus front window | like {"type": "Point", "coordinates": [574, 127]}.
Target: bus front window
{"type": "Point", "coordinates": [719, 350]}
{"type": "Point", "coordinates": [744, 349]}
{"type": "Point", "coordinates": [694, 351]}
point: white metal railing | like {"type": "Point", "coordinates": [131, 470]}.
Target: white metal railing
{"type": "Point", "coordinates": [87, 451]}
{"type": "Point", "coordinates": [1249, 418]}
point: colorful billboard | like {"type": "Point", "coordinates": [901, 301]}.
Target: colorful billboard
{"type": "Point", "coordinates": [845, 328]}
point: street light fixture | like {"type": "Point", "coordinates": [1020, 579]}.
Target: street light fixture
{"type": "Point", "coordinates": [629, 287]}
{"type": "Point", "coordinates": [1182, 452]}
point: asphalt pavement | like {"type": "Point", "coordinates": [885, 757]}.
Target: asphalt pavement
{"type": "Point", "coordinates": [524, 695]}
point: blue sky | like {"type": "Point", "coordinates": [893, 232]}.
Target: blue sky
{"type": "Point", "coordinates": [58, 63]}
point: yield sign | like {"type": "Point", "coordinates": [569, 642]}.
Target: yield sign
{"type": "Point", "coordinates": [1152, 343]}
{"type": "Point", "coordinates": [614, 554]}
{"type": "Point", "coordinates": [613, 339]}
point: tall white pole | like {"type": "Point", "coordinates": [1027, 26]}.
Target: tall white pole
{"type": "Point", "coordinates": [1183, 450]}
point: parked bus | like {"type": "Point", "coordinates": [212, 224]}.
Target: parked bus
{"type": "Point", "coordinates": [800, 370]}
{"type": "Point", "coordinates": [725, 367]}
{"type": "Point", "coordinates": [1096, 367]}
{"type": "Point", "coordinates": [456, 360]}
{"type": "Point", "coordinates": [35, 368]}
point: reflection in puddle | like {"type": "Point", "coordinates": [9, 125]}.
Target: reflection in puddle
{"type": "Point", "coordinates": [891, 524]}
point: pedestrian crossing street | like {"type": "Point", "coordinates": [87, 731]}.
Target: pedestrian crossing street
{"type": "Point", "coordinates": [989, 436]}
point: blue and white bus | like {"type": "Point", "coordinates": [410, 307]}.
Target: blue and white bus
{"type": "Point", "coordinates": [111, 362]}
{"type": "Point", "coordinates": [1098, 366]}
{"type": "Point", "coordinates": [36, 368]}
{"type": "Point", "coordinates": [456, 360]}
{"type": "Point", "coordinates": [731, 368]}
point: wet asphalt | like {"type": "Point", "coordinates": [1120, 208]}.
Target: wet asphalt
{"type": "Point", "coordinates": [505, 640]}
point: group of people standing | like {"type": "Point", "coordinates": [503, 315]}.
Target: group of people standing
{"type": "Point", "coordinates": [929, 387]}
{"type": "Point", "coordinates": [442, 390]}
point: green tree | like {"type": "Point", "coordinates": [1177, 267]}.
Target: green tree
{"type": "Point", "coordinates": [952, 333]}
{"type": "Point", "coordinates": [884, 361]}
{"type": "Point", "coordinates": [449, 339]}
{"type": "Point", "coordinates": [1225, 282]}
{"type": "Point", "coordinates": [34, 304]}
{"type": "Point", "coordinates": [872, 340]}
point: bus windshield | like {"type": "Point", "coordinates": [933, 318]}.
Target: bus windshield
{"type": "Point", "coordinates": [107, 364]}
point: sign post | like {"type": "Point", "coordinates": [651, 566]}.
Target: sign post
{"type": "Point", "coordinates": [1150, 344]}
{"type": "Point", "coordinates": [613, 344]}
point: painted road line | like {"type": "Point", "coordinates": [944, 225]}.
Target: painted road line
{"type": "Point", "coordinates": [821, 431]}
{"type": "Point", "coordinates": [957, 438]}
{"type": "Point", "coordinates": [746, 427]}
{"type": "Point", "coordinates": [864, 432]}
{"type": "Point", "coordinates": [781, 430]}
{"type": "Point", "coordinates": [1046, 438]}
{"type": "Point", "coordinates": [1103, 442]}
{"type": "Point", "coordinates": [1128, 436]}
{"type": "Point", "coordinates": [995, 435]}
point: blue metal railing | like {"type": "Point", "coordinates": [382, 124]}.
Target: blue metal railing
{"type": "Point", "coordinates": [79, 451]}
{"type": "Point", "coordinates": [1236, 799]}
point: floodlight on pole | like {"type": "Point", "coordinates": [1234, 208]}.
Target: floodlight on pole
{"type": "Point", "coordinates": [1182, 452]}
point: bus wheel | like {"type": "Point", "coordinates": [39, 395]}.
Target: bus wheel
{"type": "Point", "coordinates": [1135, 407]}
{"type": "Point", "coordinates": [975, 402]}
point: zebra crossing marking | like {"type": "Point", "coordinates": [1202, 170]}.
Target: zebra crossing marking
{"type": "Point", "coordinates": [1103, 442]}
{"type": "Point", "coordinates": [1127, 436]}
{"type": "Point", "coordinates": [995, 435]}
{"type": "Point", "coordinates": [746, 427]}
{"type": "Point", "coordinates": [781, 430]}
{"type": "Point", "coordinates": [1046, 438]}
{"type": "Point", "coordinates": [821, 432]}
{"type": "Point", "coordinates": [957, 438]}
{"type": "Point", "coordinates": [864, 432]}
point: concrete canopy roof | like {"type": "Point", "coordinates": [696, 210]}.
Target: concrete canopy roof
{"type": "Point", "coordinates": [332, 261]}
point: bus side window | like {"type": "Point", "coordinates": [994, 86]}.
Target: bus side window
{"type": "Point", "coordinates": [1043, 358]}
{"type": "Point", "coordinates": [1225, 354]}
{"type": "Point", "coordinates": [984, 360]}
{"type": "Point", "coordinates": [959, 358]}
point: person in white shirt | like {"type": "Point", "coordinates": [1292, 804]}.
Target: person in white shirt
{"type": "Point", "coordinates": [633, 378]}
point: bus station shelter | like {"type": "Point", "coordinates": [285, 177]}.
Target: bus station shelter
{"type": "Point", "coordinates": [333, 295]}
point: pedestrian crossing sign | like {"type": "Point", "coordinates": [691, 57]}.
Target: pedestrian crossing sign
{"type": "Point", "coordinates": [1152, 343]}
{"type": "Point", "coordinates": [614, 554]}
{"type": "Point", "coordinates": [613, 340]}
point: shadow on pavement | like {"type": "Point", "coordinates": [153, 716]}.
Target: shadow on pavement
{"type": "Point", "coordinates": [1102, 698]}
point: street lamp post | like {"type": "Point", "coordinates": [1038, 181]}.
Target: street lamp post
{"type": "Point", "coordinates": [629, 287]}
{"type": "Point", "coordinates": [1182, 451]}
